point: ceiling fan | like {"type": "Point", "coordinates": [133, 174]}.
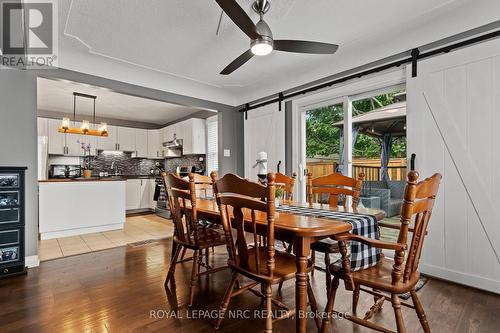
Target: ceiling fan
{"type": "Point", "coordinates": [261, 37]}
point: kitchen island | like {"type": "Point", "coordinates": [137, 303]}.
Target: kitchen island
{"type": "Point", "coordinates": [70, 207]}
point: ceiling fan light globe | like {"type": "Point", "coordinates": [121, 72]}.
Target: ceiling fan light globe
{"type": "Point", "coordinates": [261, 47]}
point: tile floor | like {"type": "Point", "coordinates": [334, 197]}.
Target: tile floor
{"type": "Point", "coordinates": [137, 228]}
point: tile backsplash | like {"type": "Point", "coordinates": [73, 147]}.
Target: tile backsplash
{"type": "Point", "coordinates": [125, 163]}
{"type": "Point", "coordinates": [172, 163]}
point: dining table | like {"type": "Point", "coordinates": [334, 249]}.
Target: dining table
{"type": "Point", "coordinates": [299, 230]}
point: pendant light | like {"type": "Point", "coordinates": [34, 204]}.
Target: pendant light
{"type": "Point", "coordinates": [85, 128]}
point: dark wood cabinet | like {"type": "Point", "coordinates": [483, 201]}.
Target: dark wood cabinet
{"type": "Point", "coordinates": [12, 206]}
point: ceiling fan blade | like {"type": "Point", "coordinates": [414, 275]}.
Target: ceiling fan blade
{"type": "Point", "coordinates": [303, 46]}
{"type": "Point", "coordinates": [239, 17]}
{"type": "Point", "coordinates": [237, 63]}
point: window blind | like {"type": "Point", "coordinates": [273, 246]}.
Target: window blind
{"type": "Point", "coordinates": [212, 145]}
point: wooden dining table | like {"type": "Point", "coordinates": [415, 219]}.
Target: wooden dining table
{"type": "Point", "coordinates": [299, 230]}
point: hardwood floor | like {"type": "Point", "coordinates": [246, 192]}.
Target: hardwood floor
{"type": "Point", "coordinates": [121, 290]}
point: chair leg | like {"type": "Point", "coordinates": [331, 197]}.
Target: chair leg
{"type": "Point", "coordinates": [269, 309]}
{"type": "Point", "coordinates": [313, 259]}
{"type": "Point", "coordinates": [314, 304]}
{"type": "Point", "coordinates": [396, 304]}
{"type": "Point", "coordinates": [183, 253]}
{"type": "Point", "coordinates": [328, 277]}
{"type": "Point", "coordinates": [420, 311]}
{"type": "Point", "coordinates": [280, 286]}
{"type": "Point", "coordinates": [329, 305]}
{"type": "Point", "coordinates": [225, 301]}
{"type": "Point", "coordinates": [355, 299]}
{"type": "Point", "coordinates": [173, 263]}
{"type": "Point", "coordinates": [194, 277]}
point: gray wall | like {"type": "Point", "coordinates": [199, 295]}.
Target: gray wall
{"type": "Point", "coordinates": [18, 139]}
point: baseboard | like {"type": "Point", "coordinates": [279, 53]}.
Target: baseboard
{"type": "Point", "coordinates": [468, 280]}
{"type": "Point", "coordinates": [80, 231]}
{"type": "Point", "coordinates": [31, 261]}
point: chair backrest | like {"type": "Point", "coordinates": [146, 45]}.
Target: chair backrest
{"type": "Point", "coordinates": [240, 203]}
{"type": "Point", "coordinates": [180, 194]}
{"type": "Point", "coordinates": [334, 185]}
{"type": "Point", "coordinates": [418, 203]}
{"type": "Point", "coordinates": [287, 183]}
{"type": "Point", "coordinates": [203, 184]}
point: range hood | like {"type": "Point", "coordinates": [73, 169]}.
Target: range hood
{"type": "Point", "coordinates": [173, 148]}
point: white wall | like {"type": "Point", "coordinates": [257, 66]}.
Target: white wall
{"type": "Point", "coordinates": [453, 120]}
{"type": "Point", "coordinates": [265, 131]}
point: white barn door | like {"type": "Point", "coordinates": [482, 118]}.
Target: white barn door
{"type": "Point", "coordinates": [453, 127]}
{"type": "Point", "coordinates": [265, 131]}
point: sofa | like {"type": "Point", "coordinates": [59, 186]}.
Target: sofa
{"type": "Point", "coordinates": [390, 193]}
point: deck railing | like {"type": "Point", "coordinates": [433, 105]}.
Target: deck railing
{"type": "Point", "coordinates": [371, 169]}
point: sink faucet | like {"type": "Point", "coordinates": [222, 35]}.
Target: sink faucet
{"type": "Point", "coordinates": [114, 165]}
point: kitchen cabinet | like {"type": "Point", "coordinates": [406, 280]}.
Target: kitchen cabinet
{"type": "Point", "coordinates": [109, 142]}
{"type": "Point", "coordinates": [57, 141]}
{"type": "Point", "coordinates": [192, 132]}
{"type": "Point", "coordinates": [42, 124]}
{"type": "Point", "coordinates": [133, 194]}
{"type": "Point", "coordinates": [141, 143]}
{"type": "Point", "coordinates": [126, 139]}
{"type": "Point", "coordinates": [155, 148]}
{"type": "Point", "coordinates": [139, 194]}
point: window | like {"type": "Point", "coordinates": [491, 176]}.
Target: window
{"type": "Point", "coordinates": [212, 145]}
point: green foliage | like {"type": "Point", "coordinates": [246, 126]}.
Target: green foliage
{"type": "Point", "coordinates": [323, 139]}
{"type": "Point", "coordinates": [278, 192]}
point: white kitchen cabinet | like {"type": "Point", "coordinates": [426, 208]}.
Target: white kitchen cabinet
{"type": "Point", "coordinates": [126, 139]}
{"type": "Point", "coordinates": [147, 192]}
{"type": "Point", "coordinates": [141, 143]}
{"type": "Point", "coordinates": [155, 148]}
{"type": "Point", "coordinates": [42, 124]}
{"type": "Point", "coordinates": [133, 194]}
{"type": "Point", "coordinates": [57, 141]}
{"type": "Point", "coordinates": [192, 132]}
{"type": "Point", "coordinates": [139, 194]}
{"type": "Point", "coordinates": [108, 142]}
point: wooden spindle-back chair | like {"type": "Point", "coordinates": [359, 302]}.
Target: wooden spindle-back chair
{"type": "Point", "coordinates": [287, 183]}
{"type": "Point", "coordinates": [391, 278]}
{"type": "Point", "coordinates": [189, 233]}
{"type": "Point", "coordinates": [333, 186]}
{"type": "Point", "coordinates": [242, 205]}
{"type": "Point", "coordinates": [203, 185]}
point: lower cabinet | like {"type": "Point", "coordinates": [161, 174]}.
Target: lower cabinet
{"type": "Point", "coordinates": [139, 194]}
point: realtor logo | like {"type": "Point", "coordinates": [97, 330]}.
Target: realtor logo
{"type": "Point", "coordinates": [29, 34]}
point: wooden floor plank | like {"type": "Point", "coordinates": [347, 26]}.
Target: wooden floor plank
{"type": "Point", "coordinates": [117, 290]}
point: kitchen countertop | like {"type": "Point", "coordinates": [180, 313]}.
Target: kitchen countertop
{"type": "Point", "coordinates": [96, 179]}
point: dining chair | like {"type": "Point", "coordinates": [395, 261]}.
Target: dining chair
{"type": "Point", "coordinates": [189, 233]}
{"type": "Point", "coordinates": [242, 203]}
{"type": "Point", "coordinates": [287, 183]}
{"type": "Point", "coordinates": [328, 189]}
{"type": "Point", "coordinates": [390, 278]}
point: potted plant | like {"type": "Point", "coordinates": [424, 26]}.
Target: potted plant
{"type": "Point", "coordinates": [278, 194]}
{"type": "Point", "coordinates": [87, 159]}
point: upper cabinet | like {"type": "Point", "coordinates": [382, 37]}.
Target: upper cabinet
{"type": "Point", "coordinates": [109, 142]}
{"type": "Point", "coordinates": [192, 132]}
{"type": "Point", "coordinates": [141, 143]}
{"type": "Point", "coordinates": [155, 149]}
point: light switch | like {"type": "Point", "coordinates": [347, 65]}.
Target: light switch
{"type": "Point", "coordinates": [227, 152]}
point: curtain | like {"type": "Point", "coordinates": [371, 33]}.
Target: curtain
{"type": "Point", "coordinates": [355, 131]}
{"type": "Point", "coordinates": [385, 155]}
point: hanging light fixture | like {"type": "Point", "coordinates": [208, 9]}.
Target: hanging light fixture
{"type": "Point", "coordinates": [85, 128]}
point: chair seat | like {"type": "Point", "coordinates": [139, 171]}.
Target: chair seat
{"type": "Point", "coordinates": [327, 245]}
{"type": "Point", "coordinates": [284, 266]}
{"type": "Point", "coordinates": [207, 237]}
{"type": "Point", "coordinates": [378, 276]}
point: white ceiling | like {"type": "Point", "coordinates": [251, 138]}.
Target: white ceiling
{"type": "Point", "coordinates": [57, 97]}
{"type": "Point", "coordinates": [172, 45]}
